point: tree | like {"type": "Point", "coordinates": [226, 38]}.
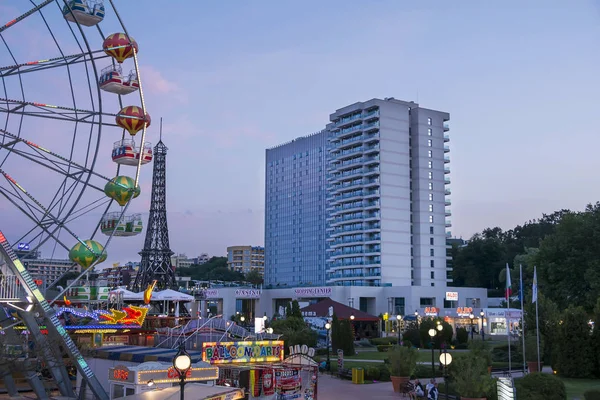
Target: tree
{"type": "Point", "coordinates": [347, 337]}
{"type": "Point", "coordinates": [214, 269]}
{"type": "Point", "coordinates": [67, 277]}
{"type": "Point", "coordinates": [294, 331]}
{"type": "Point", "coordinates": [336, 337]}
{"type": "Point", "coordinates": [596, 337]}
{"type": "Point", "coordinates": [573, 250]}
{"type": "Point", "coordinates": [549, 318]}
{"type": "Point", "coordinates": [295, 311]}
{"type": "Point", "coordinates": [254, 277]}
{"type": "Point", "coordinates": [574, 345]}
{"type": "Point", "coordinates": [431, 323]}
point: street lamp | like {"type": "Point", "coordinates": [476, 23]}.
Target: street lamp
{"type": "Point", "coordinates": [432, 332]}
{"type": "Point", "coordinates": [182, 364]}
{"type": "Point", "coordinates": [471, 317]}
{"type": "Point", "coordinates": [417, 317]}
{"type": "Point", "coordinates": [399, 318]}
{"type": "Point", "coordinates": [327, 328]}
{"type": "Point", "coordinates": [446, 360]}
{"type": "Point", "coordinates": [482, 314]}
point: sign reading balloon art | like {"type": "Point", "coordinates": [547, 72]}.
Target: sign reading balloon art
{"type": "Point", "coordinates": [242, 352]}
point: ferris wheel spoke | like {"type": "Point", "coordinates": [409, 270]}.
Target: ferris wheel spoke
{"type": "Point", "coordinates": [45, 229]}
{"type": "Point", "coordinates": [42, 110]}
{"type": "Point", "coordinates": [38, 65]}
{"type": "Point", "coordinates": [23, 16]}
{"type": "Point", "coordinates": [47, 215]}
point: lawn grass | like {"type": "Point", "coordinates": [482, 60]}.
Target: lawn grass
{"type": "Point", "coordinates": [424, 355]}
{"type": "Point", "coordinates": [576, 387]}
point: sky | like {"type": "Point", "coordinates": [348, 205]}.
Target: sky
{"type": "Point", "coordinates": [230, 79]}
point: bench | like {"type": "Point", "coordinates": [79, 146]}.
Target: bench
{"type": "Point", "coordinates": [345, 373]}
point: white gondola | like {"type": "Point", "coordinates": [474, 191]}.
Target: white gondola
{"type": "Point", "coordinates": [126, 152]}
{"type": "Point", "coordinates": [130, 225]}
{"type": "Point", "coordinates": [113, 81]}
{"type": "Point", "coordinates": [87, 12]}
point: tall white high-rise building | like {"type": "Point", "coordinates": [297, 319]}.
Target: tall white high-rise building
{"type": "Point", "coordinates": [387, 195]}
{"type": "Point", "coordinates": [384, 164]}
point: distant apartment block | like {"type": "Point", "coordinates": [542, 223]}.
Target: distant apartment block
{"type": "Point", "coordinates": [119, 275]}
{"type": "Point", "coordinates": [246, 258]}
{"type": "Point", "coordinates": [46, 269]}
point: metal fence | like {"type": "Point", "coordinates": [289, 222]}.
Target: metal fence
{"type": "Point", "coordinates": [10, 289]}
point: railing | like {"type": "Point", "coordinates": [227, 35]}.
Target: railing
{"type": "Point", "coordinates": [10, 290]}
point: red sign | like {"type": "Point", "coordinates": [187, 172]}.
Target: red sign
{"type": "Point", "coordinates": [120, 374]}
{"type": "Point", "coordinates": [464, 311]}
{"type": "Point", "coordinates": [172, 373]}
{"type": "Point", "coordinates": [431, 311]}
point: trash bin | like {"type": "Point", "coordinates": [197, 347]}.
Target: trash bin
{"type": "Point", "coordinates": [358, 376]}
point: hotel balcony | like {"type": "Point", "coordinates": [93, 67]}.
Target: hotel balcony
{"type": "Point", "coordinates": [448, 213]}
{"type": "Point", "coordinates": [447, 192]}
{"type": "Point", "coordinates": [446, 149]}
{"type": "Point", "coordinates": [448, 223]}
{"type": "Point", "coordinates": [446, 160]}
{"type": "Point", "coordinates": [446, 138]}
{"type": "Point", "coordinates": [446, 181]}
{"type": "Point", "coordinates": [446, 127]}
{"type": "Point", "coordinates": [446, 170]}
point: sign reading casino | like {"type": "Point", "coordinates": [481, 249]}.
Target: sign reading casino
{"type": "Point", "coordinates": [313, 291]}
{"type": "Point", "coordinates": [248, 293]}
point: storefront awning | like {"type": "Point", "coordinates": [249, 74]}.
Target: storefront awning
{"type": "Point", "coordinates": [141, 354]}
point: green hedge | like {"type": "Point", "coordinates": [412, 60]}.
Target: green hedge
{"type": "Point", "coordinates": [538, 386]}
{"type": "Point", "coordinates": [384, 341]}
{"type": "Point", "coordinates": [382, 348]}
{"type": "Point", "coordinates": [592, 394]}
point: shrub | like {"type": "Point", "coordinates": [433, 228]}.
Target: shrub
{"type": "Point", "coordinates": [479, 349]}
{"type": "Point", "coordinates": [574, 358]}
{"type": "Point", "coordinates": [383, 340]}
{"type": "Point", "coordinates": [384, 373]}
{"type": "Point", "coordinates": [470, 376]}
{"type": "Point", "coordinates": [461, 346]}
{"type": "Point", "coordinates": [462, 336]}
{"type": "Point", "coordinates": [372, 373]}
{"type": "Point", "coordinates": [592, 394]}
{"type": "Point", "coordinates": [403, 361]}
{"type": "Point", "coordinates": [321, 352]}
{"type": "Point", "coordinates": [445, 336]}
{"type": "Point", "coordinates": [500, 353]}
{"type": "Point", "coordinates": [423, 371]}
{"type": "Point", "coordinates": [382, 348]}
{"type": "Point", "coordinates": [412, 336]}
{"type": "Point", "coordinates": [538, 386]}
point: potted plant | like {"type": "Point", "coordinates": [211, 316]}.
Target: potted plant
{"type": "Point", "coordinates": [403, 363]}
{"type": "Point", "coordinates": [531, 353]}
{"type": "Point", "coordinates": [479, 349]}
{"type": "Point", "coordinates": [470, 376]}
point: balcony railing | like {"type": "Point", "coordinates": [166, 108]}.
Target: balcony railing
{"type": "Point", "coordinates": [10, 290]}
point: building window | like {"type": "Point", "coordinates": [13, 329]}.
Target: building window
{"type": "Point", "coordinates": [430, 185]}
{"type": "Point", "coordinates": [429, 132]}
{"type": "Point", "coordinates": [431, 219]}
{"type": "Point", "coordinates": [428, 121]}
{"type": "Point", "coordinates": [431, 252]}
{"type": "Point", "coordinates": [431, 208]}
{"type": "Point", "coordinates": [429, 153]}
{"type": "Point", "coordinates": [430, 164]}
{"type": "Point", "coordinates": [430, 175]}
{"type": "Point", "coordinates": [432, 275]}
{"type": "Point", "coordinates": [432, 284]}
{"type": "Point", "coordinates": [430, 196]}
{"type": "Point", "coordinates": [431, 241]}
{"type": "Point", "coordinates": [432, 263]}
{"type": "Point", "coordinates": [431, 230]}
{"type": "Point", "coordinates": [429, 142]}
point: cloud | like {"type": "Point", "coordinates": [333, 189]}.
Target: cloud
{"type": "Point", "coordinates": [154, 82]}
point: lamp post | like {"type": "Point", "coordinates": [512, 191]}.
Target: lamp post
{"type": "Point", "coordinates": [446, 360]}
{"type": "Point", "coordinates": [471, 317]}
{"type": "Point", "coordinates": [440, 329]}
{"type": "Point", "coordinates": [399, 318]}
{"type": "Point", "coordinates": [243, 320]}
{"type": "Point", "coordinates": [482, 314]}
{"type": "Point", "coordinates": [432, 332]}
{"type": "Point", "coordinates": [182, 364]}
{"type": "Point", "coordinates": [327, 328]}
{"type": "Point", "coordinates": [417, 317]}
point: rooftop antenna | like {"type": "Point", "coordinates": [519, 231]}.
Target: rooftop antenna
{"type": "Point", "coordinates": [161, 129]}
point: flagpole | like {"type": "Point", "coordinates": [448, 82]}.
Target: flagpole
{"type": "Point", "coordinates": [537, 321]}
{"type": "Point", "coordinates": [508, 285]}
{"type": "Point", "coordinates": [521, 294]}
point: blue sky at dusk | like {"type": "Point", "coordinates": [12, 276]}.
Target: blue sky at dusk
{"type": "Point", "coordinates": [519, 79]}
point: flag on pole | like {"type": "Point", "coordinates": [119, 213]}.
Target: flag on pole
{"type": "Point", "coordinates": [535, 289]}
{"type": "Point", "coordinates": [521, 283]}
{"type": "Point", "coordinates": [508, 283]}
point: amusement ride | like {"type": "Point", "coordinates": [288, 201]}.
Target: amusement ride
{"type": "Point", "coordinates": [66, 103]}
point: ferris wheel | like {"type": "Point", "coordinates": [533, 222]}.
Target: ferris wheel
{"type": "Point", "coordinates": [73, 128]}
